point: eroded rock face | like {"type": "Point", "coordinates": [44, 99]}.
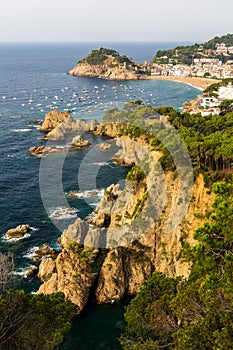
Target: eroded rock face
{"type": "Point", "coordinates": [123, 272]}
{"type": "Point", "coordinates": [168, 241]}
{"type": "Point", "coordinates": [18, 232]}
{"type": "Point", "coordinates": [71, 273]}
{"type": "Point", "coordinates": [79, 142]}
{"type": "Point", "coordinates": [46, 269]}
{"type": "Point", "coordinates": [53, 119]}
{"type": "Point", "coordinates": [45, 250]}
{"type": "Point", "coordinates": [140, 238]}
{"type": "Point", "coordinates": [32, 271]}
{"type": "Point", "coordinates": [107, 70]}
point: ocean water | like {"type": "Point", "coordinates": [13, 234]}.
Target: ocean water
{"type": "Point", "coordinates": [34, 82]}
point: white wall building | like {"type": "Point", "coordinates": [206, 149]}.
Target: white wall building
{"type": "Point", "coordinates": [226, 92]}
{"type": "Point", "coordinates": [208, 102]}
{"type": "Point", "coordinates": [221, 48]}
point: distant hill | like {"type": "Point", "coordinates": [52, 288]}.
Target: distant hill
{"type": "Point", "coordinates": [186, 54]}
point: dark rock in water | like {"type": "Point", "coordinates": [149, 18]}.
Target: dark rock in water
{"type": "Point", "coordinates": [18, 232]}
{"type": "Point", "coordinates": [34, 122]}
{"type": "Point", "coordinates": [45, 250]}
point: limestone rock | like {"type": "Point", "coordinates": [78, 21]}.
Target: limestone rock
{"type": "Point", "coordinates": [73, 276]}
{"type": "Point", "coordinates": [32, 271]}
{"type": "Point", "coordinates": [18, 232]}
{"type": "Point", "coordinates": [53, 119]}
{"type": "Point", "coordinates": [45, 250]}
{"type": "Point", "coordinates": [46, 269]}
{"type": "Point", "coordinates": [41, 151]}
{"type": "Point", "coordinates": [109, 69]}
{"type": "Point", "coordinates": [79, 142]}
{"type": "Point", "coordinates": [122, 273]}
{"type": "Point", "coordinates": [70, 126]}
{"type": "Point", "coordinates": [74, 233]}
{"type": "Point", "coordinates": [104, 146]}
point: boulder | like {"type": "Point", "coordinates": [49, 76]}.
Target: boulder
{"type": "Point", "coordinates": [41, 151]}
{"type": "Point", "coordinates": [104, 146]}
{"type": "Point", "coordinates": [18, 232]}
{"type": "Point", "coordinates": [79, 142]}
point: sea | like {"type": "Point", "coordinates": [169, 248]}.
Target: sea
{"type": "Point", "coordinates": [33, 83]}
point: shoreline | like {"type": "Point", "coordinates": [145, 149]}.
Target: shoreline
{"type": "Point", "coordinates": [196, 82]}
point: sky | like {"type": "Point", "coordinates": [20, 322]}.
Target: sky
{"type": "Point", "coordinates": [119, 20]}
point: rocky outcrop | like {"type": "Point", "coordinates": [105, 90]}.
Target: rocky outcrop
{"type": "Point", "coordinates": [42, 151]}
{"type": "Point", "coordinates": [46, 269]}
{"type": "Point", "coordinates": [45, 251]}
{"type": "Point", "coordinates": [104, 146]}
{"type": "Point", "coordinates": [79, 142]}
{"type": "Point", "coordinates": [122, 273]}
{"type": "Point", "coordinates": [18, 232]}
{"type": "Point", "coordinates": [58, 124]}
{"type": "Point", "coordinates": [53, 119]}
{"type": "Point", "coordinates": [70, 126]}
{"type": "Point", "coordinates": [32, 271]}
{"type": "Point", "coordinates": [70, 273]}
{"type": "Point", "coordinates": [107, 70]}
{"type": "Point", "coordinates": [111, 130]}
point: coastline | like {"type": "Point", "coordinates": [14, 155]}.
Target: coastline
{"type": "Point", "coordinates": [198, 83]}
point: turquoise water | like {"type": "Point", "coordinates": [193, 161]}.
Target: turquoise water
{"type": "Point", "coordinates": [33, 82]}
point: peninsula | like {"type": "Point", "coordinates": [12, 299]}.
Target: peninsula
{"type": "Point", "coordinates": [109, 64]}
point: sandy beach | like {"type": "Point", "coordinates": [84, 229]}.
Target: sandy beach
{"type": "Point", "coordinates": [199, 83]}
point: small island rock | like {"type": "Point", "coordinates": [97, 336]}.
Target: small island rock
{"type": "Point", "coordinates": [18, 232]}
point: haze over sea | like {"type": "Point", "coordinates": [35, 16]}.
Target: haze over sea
{"type": "Point", "coordinates": [33, 82]}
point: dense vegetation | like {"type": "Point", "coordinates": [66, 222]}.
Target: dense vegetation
{"type": "Point", "coordinates": [97, 57]}
{"type": "Point", "coordinates": [30, 321]}
{"type": "Point", "coordinates": [185, 54]}
{"type": "Point", "coordinates": [196, 313]}
{"type": "Point", "coordinates": [226, 39]}
{"type": "Point", "coordinates": [209, 139]}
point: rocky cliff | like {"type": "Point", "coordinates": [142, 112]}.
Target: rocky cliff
{"type": "Point", "coordinates": [105, 71]}
{"type": "Point", "coordinates": [108, 64]}
{"type": "Point", "coordinates": [131, 226]}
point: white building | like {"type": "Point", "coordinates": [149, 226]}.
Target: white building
{"type": "Point", "coordinates": [209, 102]}
{"type": "Point", "coordinates": [221, 49]}
{"type": "Point", "coordinates": [226, 92]}
{"type": "Point", "coordinates": [207, 60]}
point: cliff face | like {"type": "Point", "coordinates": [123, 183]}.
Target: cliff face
{"type": "Point", "coordinates": [132, 223]}
{"type": "Point", "coordinates": [109, 69]}
{"type": "Point", "coordinates": [70, 273]}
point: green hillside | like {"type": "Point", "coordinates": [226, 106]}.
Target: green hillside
{"type": "Point", "coordinates": [186, 54]}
